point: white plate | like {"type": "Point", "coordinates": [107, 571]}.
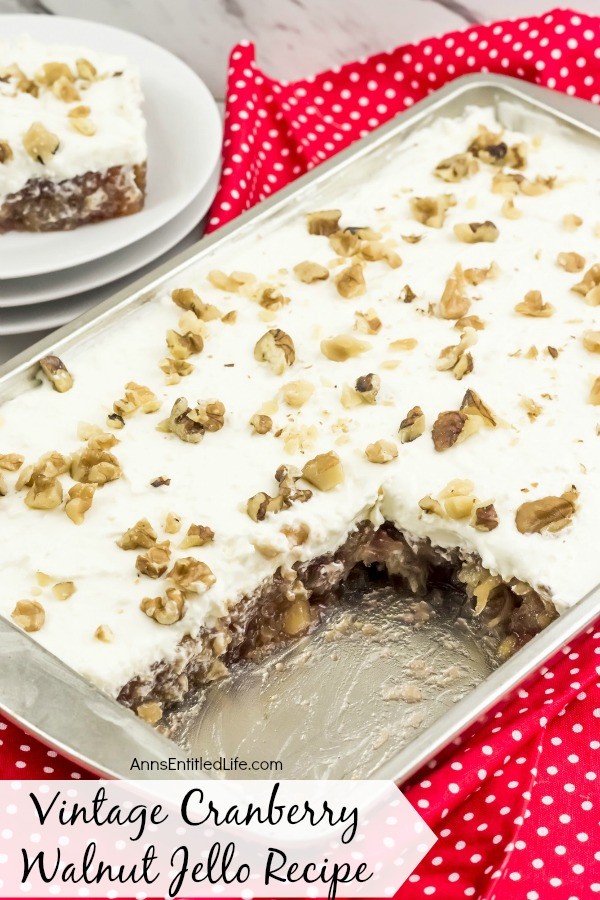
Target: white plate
{"type": "Point", "coordinates": [184, 145]}
{"type": "Point", "coordinates": [58, 285]}
{"type": "Point", "coordinates": [44, 316]}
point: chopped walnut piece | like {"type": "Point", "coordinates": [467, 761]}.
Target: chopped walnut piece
{"type": "Point", "coordinates": [455, 358]}
{"type": "Point", "coordinates": [546, 514]}
{"type": "Point", "coordinates": [65, 90]}
{"type": "Point", "coordinates": [175, 369]}
{"type": "Point", "coordinates": [589, 286]}
{"type": "Point", "coordinates": [447, 429]}
{"type": "Point", "coordinates": [367, 386]}
{"type": "Point", "coordinates": [297, 393]}
{"type": "Point", "coordinates": [52, 71]}
{"type": "Point", "coordinates": [261, 424]}
{"type": "Point", "coordinates": [276, 348]}
{"type": "Point", "coordinates": [485, 518]}
{"type": "Point", "coordinates": [44, 493]}
{"type": "Point", "coordinates": [287, 477]}
{"type": "Point", "coordinates": [345, 243]}
{"type": "Point", "coordinates": [533, 306]}
{"type": "Point", "coordinates": [343, 347]}
{"type": "Point", "coordinates": [472, 405]}
{"type": "Point", "coordinates": [115, 421]}
{"type": "Point", "coordinates": [11, 462]}
{"type": "Point", "coordinates": [165, 610]}
{"type": "Point", "coordinates": [412, 426]}
{"type": "Point", "coordinates": [63, 590]}
{"type": "Point", "coordinates": [260, 504]}
{"type": "Point", "coordinates": [105, 634]}
{"type": "Point", "coordinates": [469, 322]}
{"type": "Point", "coordinates": [509, 210]}
{"type": "Point", "coordinates": [28, 615]}
{"type": "Point", "coordinates": [270, 298]}
{"type": "Point", "coordinates": [476, 276]}
{"type": "Point", "coordinates": [190, 425]}
{"type": "Point", "coordinates": [230, 318]}
{"type": "Point", "coordinates": [454, 304]}
{"type": "Point", "coordinates": [197, 536]}
{"type": "Point", "coordinates": [40, 143]}
{"type": "Point", "coordinates": [189, 300]}
{"type": "Point", "coordinates": [367, 322]}
{"type": "Point", "coordinates": [83, 126]}
{"type": "Point", "coordinates": [80, 501]}
{"type": "Point", "coordinates": [476, 232]}
{"type": "Point", "coordinates": [403, 344]}
{"type": "Point", "coordinates": [140, 536]}
{"type": "Point", "coordinates": [491, 149]}
{"type": "Point", "coordinates": [350, 282]}
{"type": "Point", "coordinates": [570, 262]}
{"type": "Point", "coordinates": [407, 295]}
{"type": "Point", "coordinates": [95, 466]}
{"type": "Point", "coordinates": [230, 283]}
{"type": "Point", "coordinates": [324, 471]}
{"type": "Point", "coordinates": [161, 481]}
{"type": "Point", "coordinates": [172, 523]}
{"type": "Point", "coordinates": [457, 167]}
{"type": "Point", "coordinates": [155, 561]}
{"type": "Point", "coordinates": [325, 221]}
{"type": "Point", "coordinates": [188, 572]}
{"type": "Point", "coordinates": [594, 397]}
{"type": "Point", "coordinates": [591, 342]}
{"type": "Point", "coordinates": [137, 397]}
{"type": "Point", "coordinates": [210, 414]}
{"type": "Point", "coordinates": [310, 271]}
{"type": "Point", "coordinates": [571, 222]}
{"type": "Point", "coordinates": [458, 498]}
{"type": "Point", "coordinates": [381, 452]}
{"type": "Point", "coordinates": [57, 373]}
{"type": "Point", "coordinates": [6, 153]}
{"type": "Point", "coordinates": [429, 505]}
{"type": "Point", "coordinates": [297, 437]}
{"type": "Point", "coordinates": [532, 408]}
{"type": "Point", "coordinates": [183, 346]}
{"type": "Point", "coordinates": [412, 238]}
{"type": "Point", "coordinates": [79, 112]}
{"type": "Point", "coordinates": [431, 211]}
{"type": "Point", "coordinates": [150, 712]}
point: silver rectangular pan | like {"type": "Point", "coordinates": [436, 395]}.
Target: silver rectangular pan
{"type": "Point", "coordinates": [319, 711]}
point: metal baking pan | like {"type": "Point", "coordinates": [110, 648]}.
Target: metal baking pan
{"type": "Point", "coordinates": [332, 709]}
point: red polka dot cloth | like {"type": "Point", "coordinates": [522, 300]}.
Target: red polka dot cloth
{"type": "Point", "coordinates": [515, 804]}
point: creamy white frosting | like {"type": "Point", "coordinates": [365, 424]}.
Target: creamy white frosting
{"type": "Point", "coordinates": [115, 104]}
{"type": "Point", "coordinates": [211, 482]}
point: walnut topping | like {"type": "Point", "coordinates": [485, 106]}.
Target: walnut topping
{"type": "Point", "coordinates": [381, 451]}
{"type": "Point", "coordinates": [188, 572]}
{"type": "Point", "coordinates": [476, 276]}
{"type": "Point", "coordinates": [63, 590]}
{"type": "Point", "coordinates": [456, 358]}
{"type": "Point", "coordinates": [11, 462]}
{"type": "Point", "coordinates": [485, 518]}
{"type": "Point", "coordinates": [431, 211]}
{"type": "Point", "coordinates": [472, 405]}
{"type": "Point", "coordinates": [261, 424]}
{"type": "Point", "coordinates": [455, 426]}
{"type": "Point", "coordinates": [403, 344]}
{"type": "Point", "coordinates": [210, 414]}
{"type": "Point", "coordinates": [457, 167]}
{"type": "Point", "coordinates": [270, 298]}
{"type": "Point", "coordinates": [407, 295]}
{"type": "Point", "coordinates": [324, 222]}
{"type": "Point", "coordinates": [190, 424]}
{"type": "Point", "coordinates": [447, 429]}
{"type": "Point", "coordinates": [172, 523]}
{"type": "Point", "coordinates": [57, 373]}
{"type": "Point", "coordinates": [570, 262]}
{"type": "Point", "coordinates": [183, 346]}
{"type": "Point", "coordinates": [412, 426]}
{"type": "Point", "coordinates": [476, 232]}
{"type": "Point", "coordinates": [14, 76]}
{"type": "Point", "coordinates": [80, 501]}
{"type": "Point", "coordinates": [230, 318]}
{"type": "Point", "coordinates": [350, 282]}
{"type": "Point", "coordinates": [40, 143]}
{"type": "Point", "coordinates": [343, 347]}
{"type": "Point", "coordinates": [509, 210]}
{"type": "Point", "coordinates": [589, 286]}
{"type": "Point", "coordinates": [297, 438]}
{"type": "Point", "coordinates": [367, 386]}
{"type": "Point", "coordinates": [137, 397]}
{"type": "Point", "coordinates": [165, 610]}
{"type": "Point", "coordinates": [367, 322]}
{"type": "Point", "coordinates": [260, 504]}
{"type": "Point", "coordinates": [197, 536]}
{"type": "Point", "coordinates": [105, 634]}
{"type": "Point", "coordinates": [276, 348]}
{"type": "Point", "coordinates": [94, 465]}
{"type": "Point", "coordinates": [65, 90]}
{"type": "Point", "coordinates": [44, 493]}
{"type": "Point", "coordinates": [594, 397]}
{"type": "Point", "coordinates": [28, 615]}
{"type": "Point", "coordinates": [297, 393]}
{"type": "Point", "coordinates": [591, 342]}
{"type": "Point", "coordinates": [412, 238]}
{"type": "Point", "coordinates": [6, 153]}
{"type": "Point", "coordinates": [175, 369]}
{"type": "Point", "coordinates": [189, 300]}
{"type": "Point", "coordinates": [532, 408]}
{"type": "Point", "coordinates": [52, 71]}
{"type": "Point", "coordinates": [469, 322]}
{"type": "Point", "coordinates": [310, 271]}
{"type": "Point", "coordinates": [345, 243]}
{"type": "Point", "coordinates": [510, 183]}
{"type": "Point", "coordinates": [571, 222]}
{"type": "Point", "coordinates": [141, 536]}
{"type": "Point", "coordinates": [324, 471]}
{"type": "Point", "coordinates": [150, 712]}
{"type": "Point", "coordinates": [155, 561]}
{"type": "Point", "coordinates": [454, 304]}
{"type": "Point", "coordinates": [83, 126]}
{"type": "Point", "coordinates": [85, 69]}
{"type": "Point", "coordinates": [547, 514]}
{"type": "Point", "coordinates": [79, 112]}
{"type": "Point", "coordinates": [533, 305]}
{"type": "Point", "coordinates": [115, 421]}
{"type": "Point", "coordinates": [491, 149]}
{"type": "Point", "coordinates": [230, 283]}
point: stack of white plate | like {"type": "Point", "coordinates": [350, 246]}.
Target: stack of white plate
{"type": "Point", "coordinates": [48, 279]}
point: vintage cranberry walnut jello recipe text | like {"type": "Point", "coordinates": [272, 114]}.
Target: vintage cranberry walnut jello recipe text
{"type": "Point", "coordinates": [404, 375]}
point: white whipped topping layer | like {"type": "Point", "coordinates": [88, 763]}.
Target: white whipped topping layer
{"type": "Point", "coordinates": [211, 481]}
{"type": "Point", "coordinates": [114, 101]}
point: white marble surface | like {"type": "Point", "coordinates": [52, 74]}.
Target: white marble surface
{"type": "Point", "coordinates": [293, 37]}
